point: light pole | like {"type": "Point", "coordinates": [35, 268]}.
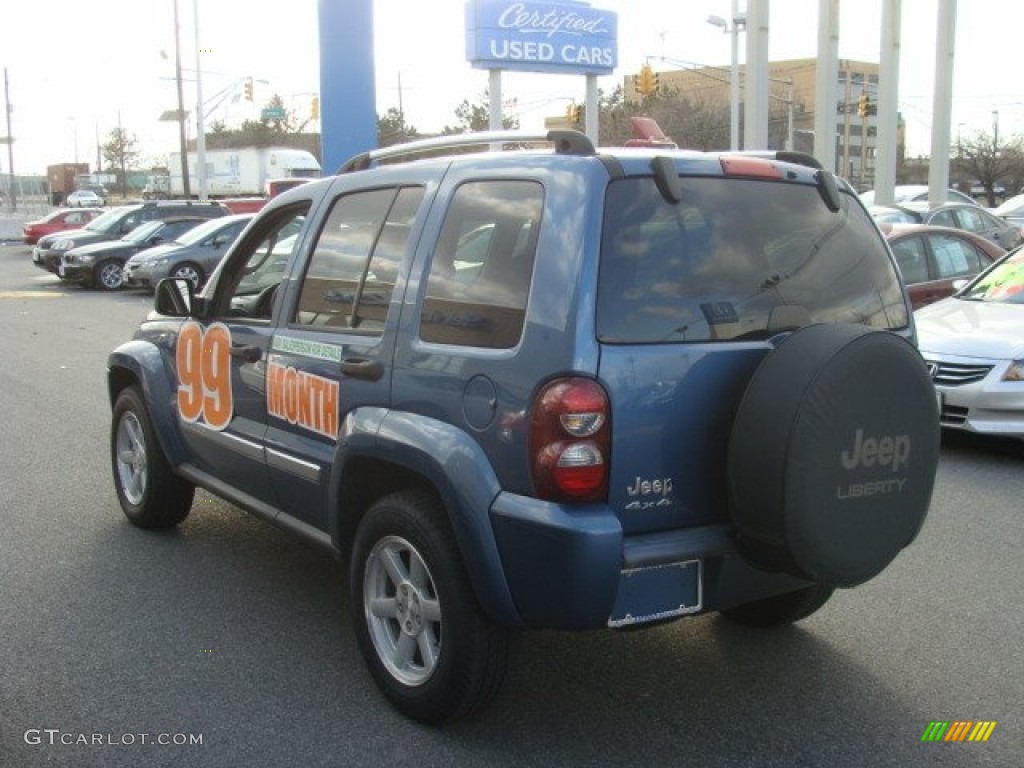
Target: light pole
{"type": "Point", "coordinates": [74, 131]}
{"type": "Point", "coordinates": [181, 106]}
{"type": "Point", "coordinates": [739, 22]}
{"type": "Point", "coordinates": [200, 128]}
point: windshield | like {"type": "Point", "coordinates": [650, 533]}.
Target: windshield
{"type": "Point", "coordinates": [105, 221]}
{"type": "Point", "coordinates": [1003, 283]}
{"type": "Point", "coordinates": [736, 259]}
{"type": "Point", "coordinates": [143, 232]}
{"type": "Point", "coordinates": [1013, 205]}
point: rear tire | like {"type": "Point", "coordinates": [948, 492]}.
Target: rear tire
{"type": "Point", "coordinates": [781, 609]}
{"type": "Point", "coordinates": [428, 646]}
{"type": "Point", "coordinates": [151, 495]}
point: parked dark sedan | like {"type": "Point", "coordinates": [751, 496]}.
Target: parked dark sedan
{"type": "Point", "coordinates": [102, 264]}
{"type": "Point", "coordinates": [931, 259]}
{"type": "Point", "coordinates": [972, 218]}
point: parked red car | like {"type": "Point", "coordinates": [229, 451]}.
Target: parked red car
{"type": "Point", "coordinates": [931, 258]}
{"type": "Point", "coordinates": [58, 221]}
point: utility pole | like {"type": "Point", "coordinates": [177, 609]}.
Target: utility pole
{"type": "Point", "coordinates": [864, 135]}
{"type": "Point", "coordinates": [845, 172]}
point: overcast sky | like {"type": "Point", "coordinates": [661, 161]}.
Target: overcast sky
{"type": "Point", "coordinates": [76, 68]}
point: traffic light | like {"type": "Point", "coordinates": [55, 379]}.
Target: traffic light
{"type": "Point", "coordinates": [314, 108]}
{"type": "Point", "coordinates": [646, 82]}
{"type": "Point", "coordinates": [248, 89]}
{"type": "Point", "coordinates": [579, 117]}
{"type": "Point", "coordinates": [864, 105]}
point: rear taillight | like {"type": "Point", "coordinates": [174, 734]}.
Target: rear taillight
{"type": "Point", "coordinates": [570, 436]}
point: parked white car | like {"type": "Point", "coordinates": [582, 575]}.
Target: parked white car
{"type": "Point", "coordinates": [973, 347]}
{"type": "Point", "coordinates": [84, 198]}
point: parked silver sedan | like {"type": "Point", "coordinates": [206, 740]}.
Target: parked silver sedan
{"type": "Point", "coordinates": [974, 347]}
{"type": "Point", "coordinates": [194, 255]}
{"type": "Point", "coordinates": [972, 218]}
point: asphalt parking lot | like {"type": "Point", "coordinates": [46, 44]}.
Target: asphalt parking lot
{"type": "Point", "coordinates": [228, 630]}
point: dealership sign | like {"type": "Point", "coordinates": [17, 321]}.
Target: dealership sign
{"type": "Point", "coordinates": [563, 38]}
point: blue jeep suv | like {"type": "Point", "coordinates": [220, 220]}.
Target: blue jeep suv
{"type": "Point", "coordinates": [552, 387]}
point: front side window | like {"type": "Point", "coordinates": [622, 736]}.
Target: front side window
{"type": "Point", "coordinates": [738, 258]}
{"type": "Point", "coordinates": [257, 270]}
{"type": "Point", "coordinates": [356, 260]}
{"type": "Point", "coordinates": [912, 258]}
{"type": "Point", "coordinates": [481, 270]}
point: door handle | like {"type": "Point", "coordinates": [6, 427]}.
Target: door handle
{"type": "Point", "coordinates": [362, 368]}
{"type": "Point", "coordinates": [246, 352]}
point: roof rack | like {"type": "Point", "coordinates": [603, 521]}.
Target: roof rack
{"type": "Point", "coordinates": [566, 142]}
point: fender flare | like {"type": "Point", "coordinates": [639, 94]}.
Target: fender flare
{"type": "Point", "coordinates": [142, 362]}
{"type": "Point", "coordinates": [438, 452]}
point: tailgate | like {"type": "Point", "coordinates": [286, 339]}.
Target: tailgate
{"type": "Point", "coordinates": [672, 408]}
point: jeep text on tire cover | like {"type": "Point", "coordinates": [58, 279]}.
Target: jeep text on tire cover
{"type": "Point", "coordinates": [568, 389]}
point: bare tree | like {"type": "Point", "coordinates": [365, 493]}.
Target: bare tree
{"type": "Point", "coordinates": [120, 150]}
{"type": "Point", "coordinates": [987, 161]}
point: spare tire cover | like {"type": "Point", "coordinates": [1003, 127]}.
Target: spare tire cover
{"type": "Point", "coordinates": [833, 453]}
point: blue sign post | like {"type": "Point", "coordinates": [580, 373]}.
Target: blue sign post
{"type": "Point", "coordinates": [348, 105]}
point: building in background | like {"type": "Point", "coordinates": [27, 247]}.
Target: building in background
{"type": "Point", "coordinates": [792, 105]}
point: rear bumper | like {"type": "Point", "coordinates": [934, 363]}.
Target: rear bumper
{"type": "Point", "coordinates": [572, 568]}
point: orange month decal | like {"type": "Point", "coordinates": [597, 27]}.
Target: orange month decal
{"type": "Point", "coordinates": [302, 398]}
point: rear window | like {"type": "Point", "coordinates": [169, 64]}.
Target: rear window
{"type": "Point", "coordinates": [737, 259]}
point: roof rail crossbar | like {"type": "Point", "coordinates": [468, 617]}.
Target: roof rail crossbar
{"type": "Point", "coordinates": [566, 142]}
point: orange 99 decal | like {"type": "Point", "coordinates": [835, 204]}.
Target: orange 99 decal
{"type": "Point", "coordinates": [203, 359]}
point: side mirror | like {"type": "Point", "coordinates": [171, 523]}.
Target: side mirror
{"type": "Point", "coordinates": [218, 241]}
{"type": "Point", "coordinates": [174, 297]}
{"type": "Point", "coordinates": [155, 239]}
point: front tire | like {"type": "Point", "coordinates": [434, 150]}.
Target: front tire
{"type": "Point", "coordinates": [428, 646]}
{"type": "Point", "coordinates": [151, 495]}
{"type": "Point", "coordinates": [109, 275]}
{"type": "Point", "coordinates": [781, 609]}
{"type": "Point", "coordinates": [191, 272]}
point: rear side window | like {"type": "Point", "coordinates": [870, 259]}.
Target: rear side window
{"type": "Point", "coordinates": [352, 272]}
{"type": "Point", "coordinates": [738, 259]}
{"type": "Point", "coordinates": [954, 257]}
{"type": "Point", "coordinates": [481, 269]}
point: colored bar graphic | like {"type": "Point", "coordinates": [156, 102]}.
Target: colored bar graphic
{"type": "Point", "coordinates": [982, 730]}
{"type": "Point", "coordinates": [935, 730]}
{"type": "Point", "coordinates": [958, 730]}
